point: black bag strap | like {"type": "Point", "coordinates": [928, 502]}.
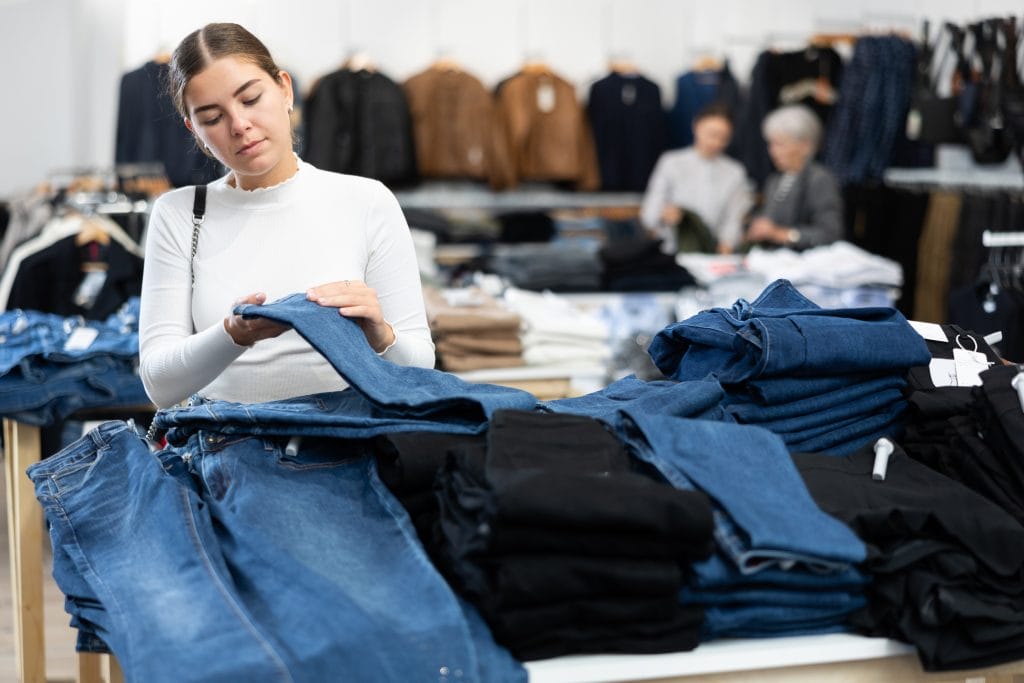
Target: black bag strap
{"type": "Point", "coordinates": [198, 215]}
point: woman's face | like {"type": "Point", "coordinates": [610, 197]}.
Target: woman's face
{"type": "Point", "coordinates": [788, 154]}
{"type": "Point", "coordinates": [237, 110]}
{"type": "Point", "coordinates": [711, 135]}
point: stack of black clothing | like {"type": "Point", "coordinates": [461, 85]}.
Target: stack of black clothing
{"type": "Point", "coordinates": [639, 265]}
{"type": "Point", "coordinates": [972, 434]}
{"type": "Point", "coordinates": [559, 266]}
{"type": "Point", "coordinates": [560, 545]}
{"type": "Point", "coordinates": [948, 565]}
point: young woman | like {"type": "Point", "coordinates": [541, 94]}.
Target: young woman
{"type": "Point", "coordinates": [702, 180]}
{"type": "Point", "coordinates": [274, 225]}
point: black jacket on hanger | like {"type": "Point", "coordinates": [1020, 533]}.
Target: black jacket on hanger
{"type": "Point", "coordinates": [150, 130]}
{"type": "Point", "coordinates": [48, 280]}
{"type": "Point", "coordinates": [358, 122]}
{"type": "Point", "coordinates": [629, 129]}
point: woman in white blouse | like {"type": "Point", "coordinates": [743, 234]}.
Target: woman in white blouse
{"type": "Point", "coordinates": [702, 180]}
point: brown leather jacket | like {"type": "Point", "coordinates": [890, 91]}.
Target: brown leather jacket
{"type": "Point", "coordinates": [548, 134]}
{"type": "Point", "coordinates": [455, 129]}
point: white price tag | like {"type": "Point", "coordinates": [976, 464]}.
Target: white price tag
{"type": "Point", "coordinates": [943, 372]}
{"type": "Point", "coordinates": [546, 97]}
{"type": "Point", "coordinates": [81, 339]}
{"type": "Point", "coordinates": [969, 366]}
{"type": "Point", "coordinates": [930, 331]}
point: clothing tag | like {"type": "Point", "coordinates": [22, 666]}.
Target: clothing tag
{"type": "Point", "coordinates": [628, 94]}
{"type": "Point", "coordinates": [546, 97]}
{"type": "Point", "coordinates": [943, 372]}
{"type": "Point", "coordinates": [913, 124]}
{"type": "Point", "coordinates": [969, 366]}
{"type": "Point", "coordinates": [81, 339]}
{"type": "Point", "coordinates": [930, 331]}
{"type": "Point", "coordinates": [89, 288]}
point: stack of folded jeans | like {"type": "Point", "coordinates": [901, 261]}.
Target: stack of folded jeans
{"type": "Point", "coordinates": [947, 564]}
{"type": "Point", "coordinates": [782, 567]}
{"type": "Point", "coordinates": [562, 547]}
{"type": "Point", "coordinates": [262, 546]}
{"type": "Point", "coordinates": [823, 379]}
{"type": "Point", "coordinates": [52, 366]}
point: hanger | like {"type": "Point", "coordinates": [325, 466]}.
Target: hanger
{"type": "Point", "coordinates": [359, 60]}
{"type": "Point", "coordinates": [707, 62]}
{"type": "Point", "coordinates": [535, 67]}
{"type": "Point", "coordinates": [92, 231]}
{"type": "Point", "coordinates": [445, 63]}
{"type": "Point", "coordinates": [623, 66]}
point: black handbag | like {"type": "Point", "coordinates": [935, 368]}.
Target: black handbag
{"type": "Point", "coordinates": [930, 118]}
{"type": "Point", "coordinates": [987, 136]}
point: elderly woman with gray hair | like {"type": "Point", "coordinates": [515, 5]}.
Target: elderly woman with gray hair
{"type": "Point", "coordinates": [802, 207]}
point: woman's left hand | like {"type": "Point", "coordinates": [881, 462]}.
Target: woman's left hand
{"type": "Point", "coordinates": [355, 299]}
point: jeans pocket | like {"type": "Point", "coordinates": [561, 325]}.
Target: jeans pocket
{"type": "Point", "coordinates": [318, 455]}
{"type": "Point", "coordinates": [73, 477]}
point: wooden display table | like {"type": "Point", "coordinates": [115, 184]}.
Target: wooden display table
{"type": "Point", "coordinates": [25, 533]}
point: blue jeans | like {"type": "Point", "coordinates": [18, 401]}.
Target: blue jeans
{"type": "Point", "coordinates": [745, 410]}
{"type": "Point", "coordinates": [411, 391]}
{"type": "Point", "coordinates": [748, 472]}
{"type": "Point", "coordinates": [231, 560]}
{"type": "Point", "coordinates": [783, 390]}
{"type": "Point", "coordinates": [42, 392]}
{"type": "Point", "coordinates": [769, 621]}
{"type": "Point", "coordinates": [772, 597]}
{"type": "Point", "coordinates": [783, 333]}
{"type": "Point", "coordinates": [341, 414]}
{"type": "Point", "coordinates": [719, 572]}
{"type": "Point", "coordinates": [664, 397]}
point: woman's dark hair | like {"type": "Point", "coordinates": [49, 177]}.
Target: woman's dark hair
{"type": "Point", "coordinates": [211, 42]}
{"type": "Point", "coordinates": [715, 109]}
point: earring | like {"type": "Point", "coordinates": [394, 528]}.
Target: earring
{"type": "Point", "coordinates": [289, 109]}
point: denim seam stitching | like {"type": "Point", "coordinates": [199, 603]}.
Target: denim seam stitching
{"type": "Point", "coordinates": [222, 589]}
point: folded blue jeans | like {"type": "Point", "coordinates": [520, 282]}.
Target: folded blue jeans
{"type": "Point", "coordinates": [848, 438]}
{"type": "Point", "coordinates": [664, 397]}
{"type": "Point", "coordinates": [772, 597]}
{"type": "Point", "coordinates": [782, 333]}
{"type": "Point", "coordinates": [764, 621]}
{"type": "Point", "coordinates": [718, 572]}
{"type": "Point", "coordinates": [747, 411]}
{"type": "Point", "coordinates": [341, 414]}
{"type": "Point", "coordinates": [748, 472]}
{"type": "Point", "coordinates": [411, 391]}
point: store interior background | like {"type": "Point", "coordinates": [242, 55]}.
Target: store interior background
{"type": "Point", "coordinates": [64, 58]}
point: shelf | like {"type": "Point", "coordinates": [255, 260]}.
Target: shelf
{"type": "Point", "coordinates": [955, 179]}
{"type": "Point", "coordinates": [457, 195]}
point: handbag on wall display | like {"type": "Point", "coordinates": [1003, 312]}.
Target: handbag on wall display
{"type": "Point", "coordinates": [930, 118]}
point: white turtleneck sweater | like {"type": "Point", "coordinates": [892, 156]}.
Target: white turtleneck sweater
{"type": "Point", "coordinates": [314, 228]}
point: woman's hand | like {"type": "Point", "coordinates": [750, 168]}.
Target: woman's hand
{"type": "Point", "coordinates": [354, 299]}
{"type": "Point", "coordinates": [766, 230]}
{"type": "Point", "coordinates": [671, 215]}
{"type": "Point", "coordinates": [247, 332]}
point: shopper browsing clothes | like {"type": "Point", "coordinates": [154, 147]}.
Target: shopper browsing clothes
{"type": "Point", "coordinates": [802, 207]}
{"type": "Point", "coordinates": [697, 197]}
{"type": "Point", "coordinates": [274, 225]}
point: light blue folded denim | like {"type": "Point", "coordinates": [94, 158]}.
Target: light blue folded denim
{"type": "Point", "coordinates": [770, 518]}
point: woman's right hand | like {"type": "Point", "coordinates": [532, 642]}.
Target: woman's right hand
{"type": "Point", "coordinates": [247, 332]}
{"type": "Point", "coordinates": [671, 214]}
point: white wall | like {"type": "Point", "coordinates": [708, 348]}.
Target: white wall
{"type": "Point", "coordinates": [60, 105]}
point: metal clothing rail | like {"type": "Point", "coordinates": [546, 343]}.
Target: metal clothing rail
{"type": "Point", "coordinates": [991, 238]}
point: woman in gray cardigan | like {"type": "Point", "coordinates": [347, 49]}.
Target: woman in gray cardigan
{"type": "Point", "coordinates": [802, 207]}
